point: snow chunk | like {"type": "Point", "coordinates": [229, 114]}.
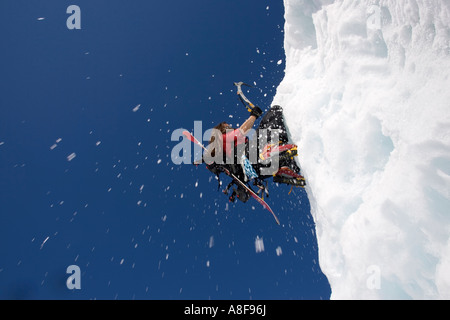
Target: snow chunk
{"type": "Point", "coordinates": [259, 244]}
{"type": "Point", "coordinates": [53, 146]}
{"type": "Point", "coordinates": [43, 243]}
{"type": "Point", "coordinates": [279, 251]}
{"type": "Point", "coordinates": [71, 156]}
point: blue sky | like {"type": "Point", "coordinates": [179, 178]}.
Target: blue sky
{"type": "Point", "coordinates": [138, 226]}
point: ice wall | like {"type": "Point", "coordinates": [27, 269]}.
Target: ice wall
{"type": "Point", "coordinates": [366, 97]}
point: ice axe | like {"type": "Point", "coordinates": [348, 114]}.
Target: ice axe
{"type": "Point", "coordinates": [242, 97]}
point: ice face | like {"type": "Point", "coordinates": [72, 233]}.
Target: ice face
{"type": "Point", "coordinates": [366, 99]}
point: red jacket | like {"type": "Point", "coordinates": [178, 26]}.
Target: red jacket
{"type": "Point", "coordinates": [231, 139]}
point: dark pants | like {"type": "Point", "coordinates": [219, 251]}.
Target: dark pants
{"type": "Point", "coordinates": [272, 121]}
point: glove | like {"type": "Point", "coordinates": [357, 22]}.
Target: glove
{"type": "Point", "coordinates": [256, 111]}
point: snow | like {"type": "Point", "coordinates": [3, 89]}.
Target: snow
{"type": "Point", "coordinates": [71, 156]}
{"type": "Point", "coordinates": [259, 245]}
{"type": "Point", "coordinates": [279, 251]}
{"type": "Point", "coordinates": [365, 97]}
{"type": "Point", "coordinates": [43, 243]}
{"type": "Point", "coordinates": [56, 144]}
{"type": "Point", "coordinates": [136, 108]}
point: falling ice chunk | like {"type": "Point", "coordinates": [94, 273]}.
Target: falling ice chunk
{"type": "Point", "coordinates": [136, 108]}
{"type": "Point", "coordinates": [259, 244]}
{"type": "Point", "coordinates": [71, 156]}
{"type": "Point", "coordinates": [279, 251]}
{"type": "Point", "coordinates": [211, 241]}
{"type": "Point", "coordinates": [55, 144]}
{"type": "Point", "coordinates": [279, 62]}
{"type": "Point", "coordinates": [41, 18]}
{"type": "Point", "coordinates": [42, 245]}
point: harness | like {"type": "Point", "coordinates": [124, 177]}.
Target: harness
{"type": "Point", "coordinates": [245, 172]}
